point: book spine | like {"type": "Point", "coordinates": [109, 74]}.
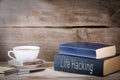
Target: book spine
{"type": "Point", "coordinates": [77, 52]}
{"type": "Point", "coordinates": [78, 65]}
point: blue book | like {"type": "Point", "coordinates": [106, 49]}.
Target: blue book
{"type": "Point", "coordinates": [87, 49]}
{"type": "Point", "coordinates": [88, 66]}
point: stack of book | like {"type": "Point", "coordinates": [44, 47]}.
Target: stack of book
{"type": "Point", "coordinates": [87, 58]}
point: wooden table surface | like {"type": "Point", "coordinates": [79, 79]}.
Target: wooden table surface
{"type": "Point", "coordinates": [50, 74]}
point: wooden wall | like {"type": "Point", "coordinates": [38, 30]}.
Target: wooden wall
{"type": "Point", "coordinates": [49, 23]}
{"type": "Point", "coordinates": [59, 13]}
{"type": "Point", "coordinates": [49, 39]}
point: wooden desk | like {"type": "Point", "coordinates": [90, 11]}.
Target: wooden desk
{"type": "Point", "coordinates": [50, 74]}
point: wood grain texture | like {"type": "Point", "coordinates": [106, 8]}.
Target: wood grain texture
{"type": "Point", "coordinates": [103, 35]}
{"type": "Point", "coordinates": [55, 13]}
{"type": "Point", "coordinates": [114, 76]}
{"type": "Point", "coordinates": [47, 38]}
{"type": "Point", "coordinates": [113, 7]}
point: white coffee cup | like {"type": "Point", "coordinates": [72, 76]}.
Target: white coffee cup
{"type": "Point", "coordinates": [24, 53]}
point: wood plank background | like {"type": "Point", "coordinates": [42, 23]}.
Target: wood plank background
{"type": "Point", "coordinates": [59, 13]}
{"type": "Point", "coordinates": [49, 39]}
{"type": "Point", "coordinates": [49, 23]}
{"type": "Point", "coordinates": [102, 35]}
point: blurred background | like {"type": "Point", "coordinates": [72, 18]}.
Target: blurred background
{"type": "Point", "coordinates": [49, 23]}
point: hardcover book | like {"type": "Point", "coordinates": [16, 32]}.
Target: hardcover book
{"type": "Point", "coordinates": [88, 66]}
{"type": "Point", "coordinates": [86, 49]}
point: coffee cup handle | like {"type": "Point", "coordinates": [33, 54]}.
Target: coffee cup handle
{"type": "Point", "coordinates": [9, 52]}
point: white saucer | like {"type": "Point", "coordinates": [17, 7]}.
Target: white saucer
{"type": "Point", "coordinates": [18, 65]}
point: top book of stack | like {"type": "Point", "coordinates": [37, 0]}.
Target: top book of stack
{"type": "Point", "coordinates": [87, 49]}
